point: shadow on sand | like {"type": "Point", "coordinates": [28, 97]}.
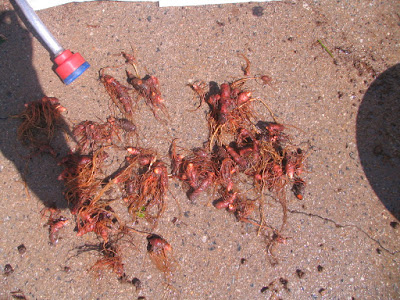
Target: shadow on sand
{"type": "Point", "coordinates": [19, 85]}
{"type": "Point", "coordinates": [378, 137]}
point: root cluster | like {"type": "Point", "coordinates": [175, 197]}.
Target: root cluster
{"type": "Point", "coordinates": [40, 119]}
{"type": "Point", "coordinates": [242, 154]}
{"type": "Point", "coordinates": [140, 182]}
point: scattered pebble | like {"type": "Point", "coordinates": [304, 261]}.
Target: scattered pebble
{"type": "Point", "coordinates": [137, 283]}
{"type": "Point", "coordinates": [8, 269]}
{"type": "Point", "coordinates": [284, 283]}
{"type": "Point", "coordinates": [300, 273]}
{"type": "Point", "coordinates": [21, 249]}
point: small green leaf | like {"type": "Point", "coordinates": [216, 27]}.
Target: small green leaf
{"type": "Point", "coordinates": [326, 49]}
{"type": "Point", "coordinates": [141, 212]}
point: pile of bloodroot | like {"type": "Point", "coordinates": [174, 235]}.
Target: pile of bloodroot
{"type": "Point", "coordinates": [140, 183]}
{"type": "Point", "coordinates": [241, 151]}
{"type": "Point", "coordinates": [40, 120]}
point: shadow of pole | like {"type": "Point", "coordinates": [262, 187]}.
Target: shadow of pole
{"type": "Point", "coordinates": [19, 85]}
{"type": "Point", "coordinates": [378, 137]}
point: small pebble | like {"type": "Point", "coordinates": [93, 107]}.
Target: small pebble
{"type": "Point", "coordinates": [21, 249]}
{"type": "Point", "coordinates": [299, 273]}
{"type": "Point", "coordinates": [137, 283]}
{"type": "Point", "coordinates": [284, 283]}
{"type": "Point", "coordinates": [8, 269]}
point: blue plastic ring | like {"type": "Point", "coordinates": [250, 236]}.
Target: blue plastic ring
{"type": "Point", "coordinates": [82, 68]}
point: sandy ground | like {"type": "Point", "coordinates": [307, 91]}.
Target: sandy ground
{"type": "Point", "coordinates": [342, 239]}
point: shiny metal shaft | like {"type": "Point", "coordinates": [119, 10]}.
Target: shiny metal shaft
{"type": "Point", "coordinates": [47, 38]}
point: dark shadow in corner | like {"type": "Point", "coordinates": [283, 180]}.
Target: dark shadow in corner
{"type": "Point", "coordinates": [378, 137]}
{"type": "Point", "coordinates": [19, 85]}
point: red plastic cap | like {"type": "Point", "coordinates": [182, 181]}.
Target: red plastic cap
{"type": "Point", "coordinates": [68, 63]}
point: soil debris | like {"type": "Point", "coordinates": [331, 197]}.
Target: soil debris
{"type": "Point", "coordinates": [21, 249]}
{"type": "Point", "coordinates": [8, 269]}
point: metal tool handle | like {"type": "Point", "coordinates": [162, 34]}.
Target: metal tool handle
{"type": "Point", "coordinates": [47, 38]}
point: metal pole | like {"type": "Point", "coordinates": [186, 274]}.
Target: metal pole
{"type": "Point", "coordinates": [48, 39]}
